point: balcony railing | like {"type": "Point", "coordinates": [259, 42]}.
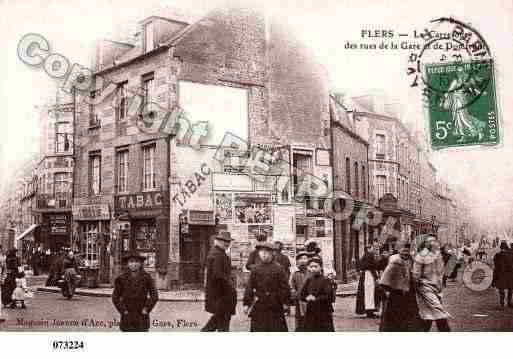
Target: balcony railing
{"type": "Point", "coordinates": [57, 201]}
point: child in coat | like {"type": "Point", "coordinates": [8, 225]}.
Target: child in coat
{"type": "Point", "coordinates": [319, 295]}
{"type": "Point", "coordinates": [18, 295]}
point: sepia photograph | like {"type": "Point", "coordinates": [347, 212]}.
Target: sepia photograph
{"type": "Point", "coordinates": [255, 166]}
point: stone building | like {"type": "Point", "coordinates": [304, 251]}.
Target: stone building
{"type": "Point", "coordinates": [351, 176]}
{"type": "Point", "coordinates": [166, 191]}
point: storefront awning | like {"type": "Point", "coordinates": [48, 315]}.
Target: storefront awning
{"type": "Point", "coordinates": [27, 232]}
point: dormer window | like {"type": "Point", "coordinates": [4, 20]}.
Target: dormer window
{"type": "Point", "coordinates": [149, 38]}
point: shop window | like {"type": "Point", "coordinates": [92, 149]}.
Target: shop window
{"type": "Point", "coordinates": [91, 245]}
{"type": "Point", "coordinates": [145, 236]}
{"type": "Point", "coordinates": [149, 178]}
{"type": "Point", "coordinates": [145, 239]}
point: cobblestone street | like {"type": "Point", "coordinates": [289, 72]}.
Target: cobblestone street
{"type": "Point", "coordinates": [471, 311]}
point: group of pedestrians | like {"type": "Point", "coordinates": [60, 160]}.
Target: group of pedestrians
{"type": "Point", "coordinates": [270, 289]}
{"type": "Point", "coordinates": [409, 289]}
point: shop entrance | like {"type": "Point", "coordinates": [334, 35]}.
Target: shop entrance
{"type": "Point", "coordinates": [194, 247]}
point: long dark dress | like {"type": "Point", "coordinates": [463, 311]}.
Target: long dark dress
{"type": "Point", "coordinates": [266, 293]}
{"type": "Point", "coordinates": [319, 313]}
{"type": "Point", "coordinates": [503, 270]}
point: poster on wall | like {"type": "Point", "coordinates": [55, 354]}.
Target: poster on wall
{"type": "Point", "coordinates": [223, 207]}
{"type": "Point", "coordinates": [252, 208]}
{"type": "Point", "coordinates": [253, 231]}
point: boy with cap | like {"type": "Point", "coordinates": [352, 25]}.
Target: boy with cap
{"type": "Point", "coordinates": [318, 294]}
{"type": "Point", "coordinates": [267, 293]}
{"type": "Point", "coordinates": [296, 284]}
{"type": "Point", "coordinates": [220, 294]}
{"type": "Point", "coordinates": [134, 295]}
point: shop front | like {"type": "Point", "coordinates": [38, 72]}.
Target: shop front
{"type": "Point", "coordinates": [141, 223]}
{"type": "Point", "coordinates": [92, 239]}
{"type": "Point", "coordinates": [55, 231]}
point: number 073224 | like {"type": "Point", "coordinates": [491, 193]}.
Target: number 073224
{"type": "Point", "coordinates": [67, 344]}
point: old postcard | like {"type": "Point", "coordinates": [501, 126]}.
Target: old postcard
{"type": "Point", "coordinates": [309, 166]}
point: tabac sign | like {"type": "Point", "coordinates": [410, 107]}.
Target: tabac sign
{"type": "Point", "coordinates": [140, 201]}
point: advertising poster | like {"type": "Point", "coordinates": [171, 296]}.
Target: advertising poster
{"type": "Point", "coordinates": [252, 208]}
{"type": "Point", "coordinates": [223, 207]}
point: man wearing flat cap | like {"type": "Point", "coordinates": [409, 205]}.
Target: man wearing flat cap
{"type": "Point", "coordinates": [267, 293]}
{"type": "Point", "coordinates": [134, 295]}
{"type": "Point", "coordinates": [220, 293]}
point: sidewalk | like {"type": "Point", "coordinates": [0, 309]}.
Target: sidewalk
{"type": "Point", "coordinates": [344, 290]}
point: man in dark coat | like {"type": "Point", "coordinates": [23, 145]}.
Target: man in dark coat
{"type": "Point", "coordinates": [220, 293]}
{"type": "Point", "coordinates": [503, 274]}
{"type": "Point", "coordinates": [134, 295]}
{"type": "Point", "coordinates": [267, 294]}
{"type": "Point", "coordinates": [11, 264]}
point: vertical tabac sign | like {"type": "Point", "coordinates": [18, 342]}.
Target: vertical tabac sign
{"type": "Point", "coordinates": [462, 104]}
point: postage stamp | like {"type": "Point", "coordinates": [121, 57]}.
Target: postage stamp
{"type": "Point", "coordinates": [462, 105]}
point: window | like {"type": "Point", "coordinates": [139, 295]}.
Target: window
{"type": "Point", "coordinates": [95, 170]}
{"type": "Point", "coordinates": [364, 189]}
{"type": "Point", "coordinates": [61, 182]}
{"type": "Point", "coordinates": [62, 137]}
{"type": "Point", "coordinates": [302, 164]}
{"type": "Point", "coordinates": [348, 175]}
{"type": "Point", "coordinates": [122, 171]}
{"type": "Point", "coordinates": [398, 189]}
{"type": "Point", "coordinates": [380, 146]}
{"type": "Point", "coordinates": [122, 101]}
{"type": "Point", "coordinates": [93, 117]}
{"type": "Point", "coordinates": [149, 43]}
{"type": "Point", "coordinates": [147, 85]}
{"type": "Point", "coordinates": [381, 184]}
{"type": "Point", "coordinates": [149, 180]}
{"type": "Point", "coordinates": [356, 181]}
{"type": "Point", "coordinates": [92, 249]}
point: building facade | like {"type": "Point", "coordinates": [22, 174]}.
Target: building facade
{"type": "Point", "coordinates": [164, 192]}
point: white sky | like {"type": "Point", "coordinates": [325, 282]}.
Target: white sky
{"type": "Point", "coordinates": [72, 26]}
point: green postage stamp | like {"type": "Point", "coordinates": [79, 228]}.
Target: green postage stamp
{"type": "Point", "coordinates": [462, 105]}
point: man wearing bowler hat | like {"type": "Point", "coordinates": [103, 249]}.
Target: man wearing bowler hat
{"type": "Point", "coordinates": [220, 293]}
{"type": "Point", "coordinates": [267, 293]}
{"type": "Point", "coordinates": [134, 295]}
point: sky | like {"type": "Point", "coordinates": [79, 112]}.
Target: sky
{"type": "Point", "coordinates": [72, 26]}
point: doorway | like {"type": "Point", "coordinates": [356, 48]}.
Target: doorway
{"type": "Point", "coordinates": [194, 246]}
